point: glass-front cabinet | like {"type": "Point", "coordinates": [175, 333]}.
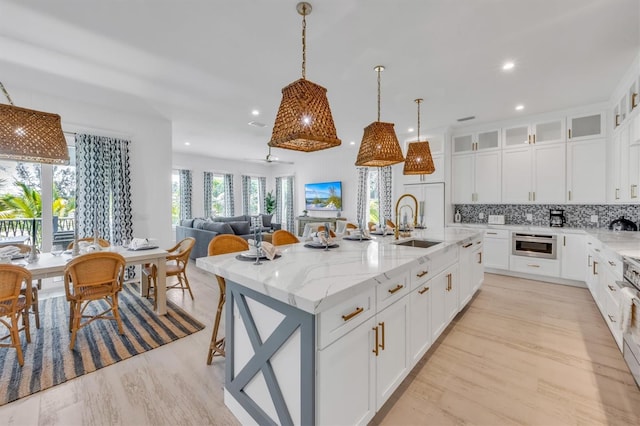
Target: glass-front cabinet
{"type": "Point", "coordinates": [551, 131]}
{"type": "Point", "coordinates": [585, 126]}
{"type": "Point", "coordinates": [478, 141]}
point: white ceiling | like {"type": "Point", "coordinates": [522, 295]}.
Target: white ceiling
{"type": "Point", "coordinates": [205, 64]}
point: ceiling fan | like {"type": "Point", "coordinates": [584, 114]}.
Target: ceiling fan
{"type": "Point", "coordinates": [270, 159]}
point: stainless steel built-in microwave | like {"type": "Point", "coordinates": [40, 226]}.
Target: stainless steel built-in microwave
{"type": "Point", "coordinates": [534, 245]}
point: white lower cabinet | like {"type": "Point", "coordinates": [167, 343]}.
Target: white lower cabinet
{"type": "Point", "coordinates": [471, 271]}
{"type": "Point", "coordinates": [451, 297]}
{"type": "Point", "coordinates": [420, 306]}
{"type": "Point", "coordinates": [352, 401]}
{"type": "Point", "coordinates": [439, 285]}
{"type": "Point", "coordinates": [497, 248]}
{"type": "Point", "coordinates": [477, 269]}
{"type": "Point", "coordinates": [573, 256]}
{"type": "Point", "coordinates": [535, 265]}
{"type": "Point", "coordinates": [392, 358]}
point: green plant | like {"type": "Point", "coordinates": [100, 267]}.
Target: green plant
{"type": "Point", "coordinates": [270, 202]}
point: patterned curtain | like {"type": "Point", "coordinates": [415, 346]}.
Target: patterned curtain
{"type": "Point", "coordinates": [361, 207]}
{"type": "Point", "coordinates": [385, 192]}
{"type": "Point", "coordinates": [263, 193]}
{"type": "Point", "coordinates": [278, 217]}
{"type": "Point", "coordinates": [208, 193]}
{"type": "Point", "coordinates": [185, 194]}
{"type": "Point", "coordinates": [288, 201]}
{"type": "Point", "coordinates": [229, 209]}
{"type": "Point", "coordinates": [103, 185]}
{"type": "Point", "coordinates": [246, 188]}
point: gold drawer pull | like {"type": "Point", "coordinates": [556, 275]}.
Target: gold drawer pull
{"type": "Point", "coordinates": [381, 324]}
{"type": "Point", "coordinates": [422, 274]}
{"type": "Point", "coordinates": [375, 348]}
{"type": "Point", "coordinates": [533, 265]}
{"type": "Point", "coordinates": [423, 291]}
{"type": "Point", "coordinates": [612, 263]}
{"type": "Point", "coordinates": [468, 245]}
{"type": "Point", "coordinates": [492, 233]}
{"type": "Point", "coordinates": [611, 318]}
{"type": "Point", "coordinates": [612, 288]}
{"type": "Point", "coordinates": [358, 311]}
{"type": "Point", "coordinates": [396, 288]}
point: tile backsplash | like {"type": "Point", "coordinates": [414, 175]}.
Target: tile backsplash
{"type": "Point", "coordinates": [577, 215]}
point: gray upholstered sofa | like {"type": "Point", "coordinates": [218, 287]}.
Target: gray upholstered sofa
{"type": "Point", "coordinates": [203, 230]}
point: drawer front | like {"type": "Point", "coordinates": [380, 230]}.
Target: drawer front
{"type": "Point", "coordinates": [530, 265]}
{"type": "Point", "coordinates": [421, 273]}
{"type": "Point", "coordinates": [441, 261]}
{"type": "Point", "coordinates": [344, 317]}
{"type": "Point", "coordinates": [613, 261]}
{"type": "Point", "coordinates": [496, 233]}
{"type": "Point", "coordinates": [391, 290]}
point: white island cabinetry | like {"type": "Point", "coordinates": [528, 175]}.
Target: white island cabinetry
{"type": "Point", "coordinates": [335, 332]}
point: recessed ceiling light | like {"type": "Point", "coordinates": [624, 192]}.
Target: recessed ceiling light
{"type": "Point", "coordinates": [352, 143]}
{"type": "Point", "coordinates": [507, 66]}
{"type": "Point", "coordinates": [519, 107]}
{"type": "Point", "coordinates": [255, 112]}
{"type": "Point", "coordinates": [410, 129]}
{"type": "Point", "coordinates": [187, 143]}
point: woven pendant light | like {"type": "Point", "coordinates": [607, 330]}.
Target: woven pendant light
{"type": "Point", "coordinates": [31, 136]}
{"type": "Point", "coordinates": [304, 121]}
{"type": "Point", "coordinates": [379, 146]}
{"type": "Point", "coordinates": [419, 160]}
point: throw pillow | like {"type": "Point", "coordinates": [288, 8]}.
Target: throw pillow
{"type": "Point", "coordinates": [240, 228]}
{"type": "Point", "coordinates": [187, 223]}
{"type": "Point", "coordinates": [199, 222]}
{"type": "Point", "coordinates": [266, 220]}
{"type": "Point", "coordinates": [219, 227]}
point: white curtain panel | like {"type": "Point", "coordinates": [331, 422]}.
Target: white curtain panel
{"type": "Point", "coordinates": [186, 183]}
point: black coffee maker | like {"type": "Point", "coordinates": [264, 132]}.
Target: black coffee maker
{"type": "Point", "coordinates": [556, 217]}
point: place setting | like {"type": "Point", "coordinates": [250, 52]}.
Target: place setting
{"type": "Point", "coordinates": [321, 240]}
{"type": "Point", "coordinates": [259, 250]}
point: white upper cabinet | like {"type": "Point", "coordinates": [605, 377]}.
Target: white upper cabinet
{"type": "Point", "coordinates": [476, 178]}
{"type": "Point", "coordinates": [585, 126]}
{"type": "Point", "coordinates": [478, 141]}
{"type": "Point", "coordinates": [550, 131]}
{"type": "Point", "coordinates": [586, 171]}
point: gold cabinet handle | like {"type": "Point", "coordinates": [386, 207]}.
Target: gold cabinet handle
{"type": "Point", "coordinates": [612, 288]}
{"type": "Point", "coordinates": [449, 282]}
{"type": "Point", "coordinates": [617, 193]}
{"type": "Point", "coordinates": [492, 233]}
{"type": "Point", "coordinates": [529, 138]}
{"type": "Point", "coordinates": [569, 195]}
{"type": "Point", "coordinates": [569, 133]}
{"type": "Point", "coordinates": [480, 257]}
{"type": "Point", "coordinates": [612, 263]}
{"type": "Point", "coordinates": [423, 291]}
{"type": "Point", "coordinates": [529, 195]}
{"type": "Point", "coordinates": [422, 274]}
{"type": "Point", "coordinates": [534, 138]}
{"type": "Point", "coordinates": [617, 122]}
{"type": "Point", "coordinates": [381, 324]}
{"type": "Point", "coordinates": [358, 311]}
{"type": "Point", "coordinates": [375, 348]}
{"type": "Point", "coordinates": [533, 265]}
{"type": "Point", "coordinates": [467, 245]}
{"type": "Point", "coordinates": [595, 268]}
{"type": "Point", "coordinates": [534, 195]}
{"type": "Point", "coordinates": [634, 98]}
{"type": "Point", "coordinates": [611, 318]}
{"type": "Point", "coordinates": [598, 250]}
{"type": "Point", "coordinates": [589, 260]}
{"type": "Point", "coordinates": [396, 288]}
{"type": "Point", "coordinates": [564, 240]}
{"type": "Point", "coordinates": [634, 191]}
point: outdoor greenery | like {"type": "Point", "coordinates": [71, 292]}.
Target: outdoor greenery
{"type": "Point", "coordinates": [270, 202]}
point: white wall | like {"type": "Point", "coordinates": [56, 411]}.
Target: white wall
{"type": "Point", "coordinates": [150, 154]}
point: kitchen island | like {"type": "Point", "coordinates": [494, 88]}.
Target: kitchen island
{"type": "Point", "coordinates": [325, 337]}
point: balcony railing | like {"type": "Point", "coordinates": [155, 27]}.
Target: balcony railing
{"type": "Point", "coordinates": [63, 228]}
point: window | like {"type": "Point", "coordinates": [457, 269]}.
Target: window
{"type": "Point", "coordinates": [175, 197]}
{"type": "Point", "coordinates": [217, 195]}
{"type": "Point", "coordinates": [373, 197]}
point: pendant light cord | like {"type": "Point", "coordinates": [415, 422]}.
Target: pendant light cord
{"type": "Point", "coordinates": [379, 69]}
{"type": "Point", "coordinates": [418, 102]}
{"type": "Point", "coordinates": [6, 93]}
{"type": "Point", "coordinates": [304, 42]}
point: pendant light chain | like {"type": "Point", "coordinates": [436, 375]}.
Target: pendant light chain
{"type": "Point", "coordinates": [418, 102]}
{"type": "Point", "coordinates": [304, 42]}
{"type": "Point", "coordinates": [379, 69]}
{"type": "Point", "coordinates": [6, 93]}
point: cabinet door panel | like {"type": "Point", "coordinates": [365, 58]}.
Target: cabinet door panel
{"type": "Point", "coordinates": [516, 175]}
{"type": "Point", "coordinates": [516, 136]}
{"type": "Point", "coordinates": [350, 356]}
{"type": "Point", "coordinates": [463, 187]}
{"type": "Point", "coordinates": [549, 173]}
{"type": "Point", "coordinates": [551, 131]}
{"type": "Point", "coordinates": [487, 177]}
{"type": "Point", "coordinates": [573, 256]}
{"type": "Point", "coordinates": [392, 363]}
{"type": "Point", "coordinates": [586, 171]}
{"type": "Point", "coordinates": [420, 324]}
{"type": "Point", "coordinates": [438, 314]}
{"type": "Point", "coordinates": [488, 140]}
{"type": "Point", "coordinates": [496, 253]}
{"type": "Point", "coordinates": [586, 126]}
{"type": "Point", "coordinates": [452, 293]}
{"type": "Point", "coordinates": [463, 143]}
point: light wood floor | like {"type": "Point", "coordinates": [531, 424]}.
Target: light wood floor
{"type": "Point", "coordinates": [522, 352]}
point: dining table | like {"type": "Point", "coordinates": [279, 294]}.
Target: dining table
{"type": "Point", "coordinates": [47, 265]}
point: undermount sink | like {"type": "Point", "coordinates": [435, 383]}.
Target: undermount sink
{"type": "Point", "coordinates": [418, 243]}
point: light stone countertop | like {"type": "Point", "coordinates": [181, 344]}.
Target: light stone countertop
{"type": "Point", "coordinates": [315, 280]}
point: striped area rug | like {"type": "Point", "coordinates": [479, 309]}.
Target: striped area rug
{"type": "Point", "coordinates": [49, 362]}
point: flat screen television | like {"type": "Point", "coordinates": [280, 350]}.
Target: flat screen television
{"type": "Point", "coordinates": [323, 196]}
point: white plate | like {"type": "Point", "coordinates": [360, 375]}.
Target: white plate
{"type": "Point", "coordinates": [252, 254]}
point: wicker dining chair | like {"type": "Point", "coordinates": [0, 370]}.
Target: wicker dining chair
{"type": "Point", "coordinates": [92, 277]}
{"type": "Point", "coordinates": [371, 226]}
{"type": "Point", "coordinates": [351, 226]}
{"type": "Point", "coordinates": [25, 249]}
{"type": "Point", "coordinates": [14, 305]}
{"type": "Point", "coordinates": [282, 237]}
{"type": "Point", "coordinates": [222, 244]}
{"type": "Point", "coordinates": [331, 233]}
{"type": "Point", "coordinates": [101, 242]}
{"type": "Point", "coordinates": [177, 261]}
